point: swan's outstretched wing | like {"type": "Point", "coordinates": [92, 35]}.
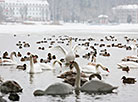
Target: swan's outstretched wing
{"type": "Point", "coordinates": [76, 48]}
{"type": "Point", "coordinates": [61, 49]}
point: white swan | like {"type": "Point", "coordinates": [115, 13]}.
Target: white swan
{"type": "Point", "coordinates": [134, 45]}
{"type": "Point", "coordinates": [39, 67]}
{"type": "Point", "coordinates": [70, 54]}
{"type": "Point", "coordinates": [10, 61]}
{"type": "Point", "coordinates": [46, 66]}
{"type": "Point", "coordinates": [130, 58]}
{"type": "Point", "coordinates": [34, 68]}
{"type": "Point", "coordinates": [93, 68]}
{"type": "Point", "coordinates": [129, 64]}
{"type": "Point", "coordinates": [93, 85]}
{"type": "Point", "coordinates": [49, 67]}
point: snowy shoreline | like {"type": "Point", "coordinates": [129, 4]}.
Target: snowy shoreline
{"type": "Point", "coordinates": [39, 29]}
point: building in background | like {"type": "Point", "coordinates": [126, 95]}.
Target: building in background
{"type": "Point", "coordinates": [21, 10]}
{"type": "Point", "coordinates": [103, 19]}
{"type": "Point", "coordinates": [126, 13]}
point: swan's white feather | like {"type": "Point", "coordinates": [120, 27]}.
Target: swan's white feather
{"type": "Point", "coordinates": [88, 69]}
{"type": "Point", "coordinates": [76, 48]}
{"type": "Point", "coordinates": [130, 64]}
{"type": "Point", "coordinates": [60, 49]}
{"type": "Point", "coordinates": [45, 66]}
{"type": "Point", "coordinates": [36, 68]}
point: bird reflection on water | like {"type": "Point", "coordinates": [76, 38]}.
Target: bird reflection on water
{"type": "Point", "coordinates": [31, 78]}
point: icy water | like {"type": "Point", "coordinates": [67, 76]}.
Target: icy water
{"type": "Point", "coordinates": [124, 93]}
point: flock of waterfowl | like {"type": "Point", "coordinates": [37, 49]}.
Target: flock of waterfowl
{"type": "Point", "coordinates": [86, 78]}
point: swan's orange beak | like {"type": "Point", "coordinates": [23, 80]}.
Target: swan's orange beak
{"type": "Point", "coordinates": [71, 62]}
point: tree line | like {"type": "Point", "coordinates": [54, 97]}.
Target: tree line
{"type": "Point", "coordinates": [78, 10]}
{"type": "Point", "coordinates": [83, 10]}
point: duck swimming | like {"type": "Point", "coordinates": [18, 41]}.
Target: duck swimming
{"type": "Point", "coordinates": [128, 80]}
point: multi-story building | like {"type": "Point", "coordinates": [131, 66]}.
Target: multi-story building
{"type": "Point", "coordinates": [25, 10]}
{"type": "Point", "coordinates": [126, 13]}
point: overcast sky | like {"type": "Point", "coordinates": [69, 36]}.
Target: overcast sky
{"type": "Point", "coordinates": [24, 0]}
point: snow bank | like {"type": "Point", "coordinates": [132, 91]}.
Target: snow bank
{"type": "Point", "coordinates": [38, 29]}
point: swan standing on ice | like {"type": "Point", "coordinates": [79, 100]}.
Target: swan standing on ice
{"type": "Point", "coordinates": [9, 61]}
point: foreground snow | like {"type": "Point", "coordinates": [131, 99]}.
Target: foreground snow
{"type": "Point", "coordinates": [37, 29]}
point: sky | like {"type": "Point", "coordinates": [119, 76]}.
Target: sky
{"type": "Point", "coordinates": [24, 0]}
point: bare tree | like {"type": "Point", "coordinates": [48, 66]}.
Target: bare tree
{"type": "Point", "coordinates": [23, 12]}
{"type": "Point", "coordinates": [83, 10]}
{"type": "Point", "coordinates": [2, 17]}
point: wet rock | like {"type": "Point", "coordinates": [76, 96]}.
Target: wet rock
{"type": "Point", "coordinates": [14, 97]}
{"type": "Point", "coordinates": [9, 87]}
{"type": "Point", "coordinates": [2, 100]}
{"type": "Point", "coordinates": [38, 93]}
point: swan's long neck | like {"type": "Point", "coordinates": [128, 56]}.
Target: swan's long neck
{"type": "Point", "coordinates": [70, 43]}
{"type": "Point", "coordinates": [57, 61]}
{"type": "Point", "coordinates": [77, 81]}
{"type": "Point", "coordinates": [11, 56]}
{"type": "Point", "coordinates": [93, 58]}
{"type": "Point", "coordinates": [31, 65]}
{"type": "Point", "coordinates": [99, 65]}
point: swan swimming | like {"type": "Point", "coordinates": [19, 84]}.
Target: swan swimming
{"type": "Point", "coordinates": [92, 85]}
{"type": "Point", "coordinates": [129, 64]}
{"type": "Point", "coordinates": [93, 68]}
{"type": "Point", "coordinates": [10, 61]}
{"type": "Point", "coordinates": [39, 67]}
{"type": "Point", "coordinates": [49, 67]}
{"type": "Point", "coordinates": [34, 68]}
